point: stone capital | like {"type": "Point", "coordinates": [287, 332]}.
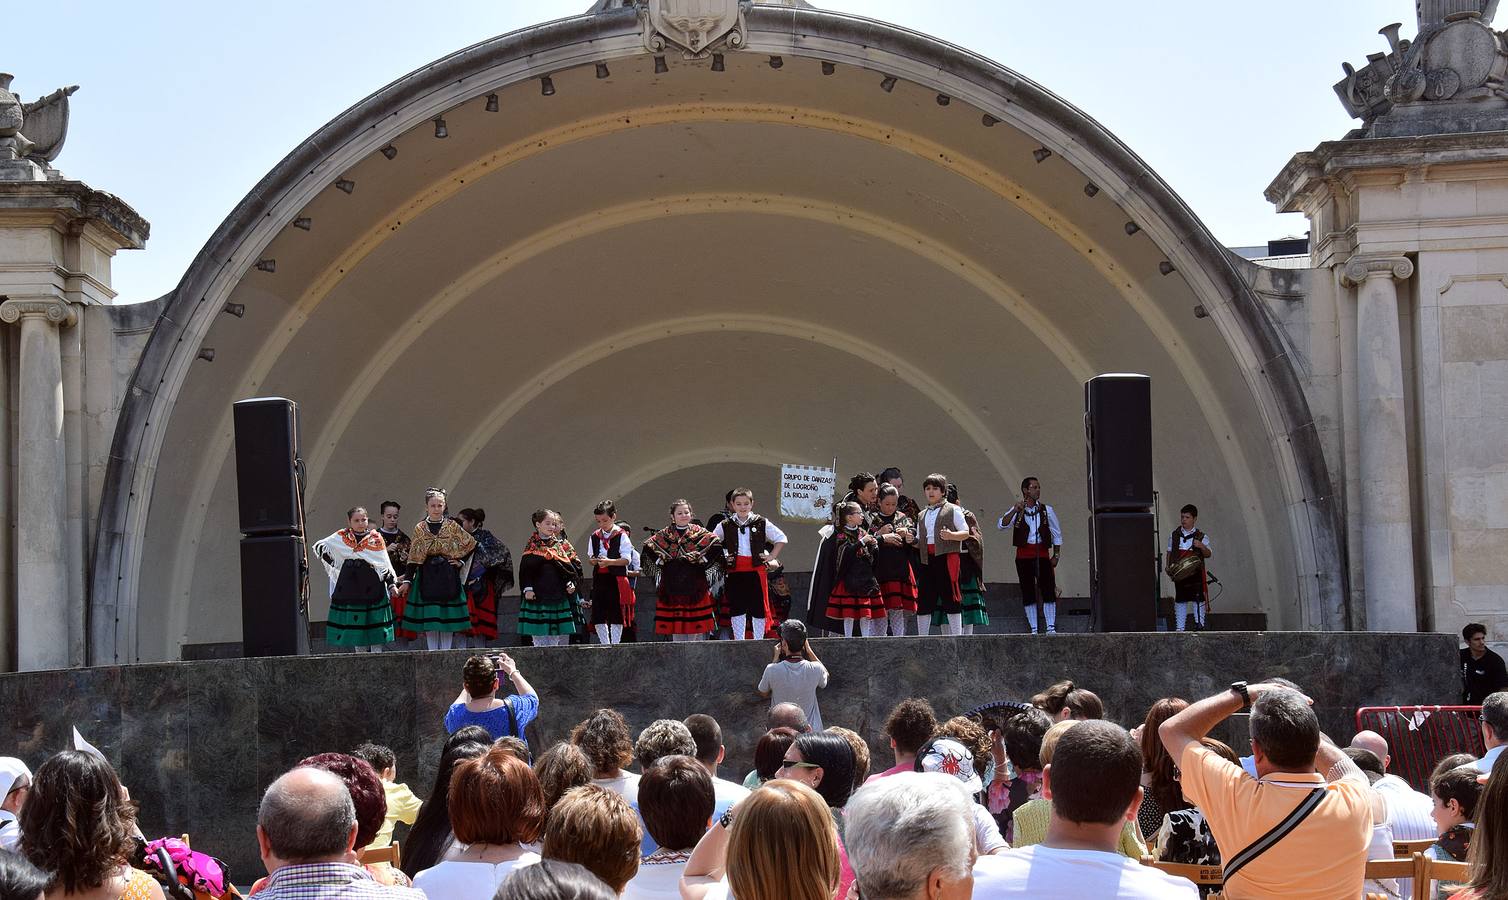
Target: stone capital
{"type": "Point", "coordinates": [54, 311]}
{"type": "Point", "coordinates": [1362, 268]}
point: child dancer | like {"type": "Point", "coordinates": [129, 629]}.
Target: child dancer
{"type": "Point", "coordinates": [548, 574]}
{"type": "Point", "coordinates": [682, 550]}
{"type": "Point", "coordinates": [1193, 589]}
{"type": "Point", "coordinates": [892, 561]}
{"type": "Point", "coordinates": [855, 595]}
{"type": "Point", "coordinates": [436, 598]}
{"type": "Point", "coordinates": [361, 575]}
{"type": "Point", "coordinates": [970, 572]}
{"type": "Point", "coordinates": [940, 534]}
{"type": "Point", "coordinates": [489, 575]}
{"type": "Point", "coordinates": [612, 595]}
{"type": "Point", "coordinates": [746, 563]}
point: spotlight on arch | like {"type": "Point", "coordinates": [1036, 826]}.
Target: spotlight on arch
{"type": "Point", "coordinates": [303, 223]}
{"type": "Point", "coordinates": [491, 103]}
{"type": "Point", "coordinates": [717, 62]}
{"type": "Point", "coordinates": [989, 121]}
{"type": "Point", "coordinates": [1091, 189]}
{"type": "Point", "coordinates": [1041, 153]}
{"type": "Point", "coordinates": [235, 309]}
{"type": "Point", "coordinates": [1132, 228]}
{"type": "Point", "coordinates": [346, 185]}
{"type": "Point", "coordinates": [887, 84]}
{"type": "Point", "coordinates": [267, 264]}
{"type": "Point", "coordinates": [1165, 267]}
{"type": "Point", "coordinates": [390, 151]}
{"type": "Point", "coordinates": [828, 68]}
{"type": "Point", "coordinates": [943, 99]}
{"type": "Point", "coordinates": [776, 62]}
{"type": "Point", "coordinates": [602, 71]}
{"type": "Point", "coordinates": [660, 66]}
{"type": "Point", "coordinates": [207, 354]}
{"type": "Point", "coordinates": [440, 130]}
{"type": "Point", "coordinates": [547, 86]}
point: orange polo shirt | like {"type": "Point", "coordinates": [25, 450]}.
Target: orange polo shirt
{"type": "Point", "coordinates": [1324, 858]}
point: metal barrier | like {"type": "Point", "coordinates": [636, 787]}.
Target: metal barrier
{"type": "Point", "coordinates": [1420, 736]}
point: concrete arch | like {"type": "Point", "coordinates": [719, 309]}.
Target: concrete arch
{"type": "Point", "coordinates": [1006, 97]}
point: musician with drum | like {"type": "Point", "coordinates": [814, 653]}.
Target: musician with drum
{"type": "Point", "coordinates": [1188, 548]}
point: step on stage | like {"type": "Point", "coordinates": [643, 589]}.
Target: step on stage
{"type": "Point", "coordinates": [197, 742]}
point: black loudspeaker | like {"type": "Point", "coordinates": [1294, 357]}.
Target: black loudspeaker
{"type": "Point", "coordinates": [1118, 431]}
{"type": "Point", "coordinates": [268, 480]}
{"type": "Point", "coordinates": [274, 596]}
{"type": "Point", "coordinates": [1123, 573]}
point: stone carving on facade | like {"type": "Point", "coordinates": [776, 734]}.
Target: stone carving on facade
{"type": "Point", "coordinates": [31, 134]}
{"type": "Point", "coordinates": [1449, 78]}
{"type": "Point", "coordinates": [696, 27]}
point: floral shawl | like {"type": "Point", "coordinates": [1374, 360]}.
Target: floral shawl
{"type": "Point", "coordinates": [334, 550]}
{"type": "Point", "coordinates": [452, 542]}
{"type": "Point", "coordinates": [491, 558]}
{"type": "Point", "coordinates": [558, 549]}
{"type": "Point", "coordinates": [670, 543]}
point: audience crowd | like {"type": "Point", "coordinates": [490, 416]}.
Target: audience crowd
{"type": "Point", "coordinates": [1046, 798]}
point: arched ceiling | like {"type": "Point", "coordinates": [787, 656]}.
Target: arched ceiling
{"type": "Point", "coordinates": [582, 294]}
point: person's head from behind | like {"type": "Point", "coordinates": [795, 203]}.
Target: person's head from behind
{"type": "Point", "coordinates": [365, 787]}
{"type": "Point", "coordinates": [380, 757]}
{"type": "Point", "coordinates": [1094, 780]}
{"type": "Point", "coordinates": [910, 724]}
{"type": "Point", "coordinates": [789, 715]}
{"type": "Point", "coordinates": [1371, 740]}
{"type": "Point", "coordinates": [1064, 700]}
{"type": "Point", "coordinates": [1022, 734]}
{"type": "Point", "coordinates": [911, 836]}
{"type": "Point", "coordinates": [1453, 761]}
{"type": "Point", "coordinates": [495, 799]}
{"type": "Point", "coordinates": [783, 845]}
{"type": "Point", "coordinates": [709, 740]}
{"type": "Point", "coordinates": [1050, 740]}
{"type": "Point", "coordinates": [552, 879]}
{"type": "Point", "coordinates": [793, 637]}
{"type": "Point", "coordinates": [77, 823]}
{"type": "Point", "coordinates": [19, 879]}
{"type": "Point", "coordinates": [663, 737]}
{"type": "Point", "coordinates": [517, 746]}
{"type": "Point", "coordinates": [972, 734]}
{"type": "Point", "coordinates": [860, 748]}
{"type": "Point", "coordinates": [1495, 719]}
{"type": "Point", "coordinates": [605, 740]}
{"type": "Point", "coordinates": [1285, 733]}
{"type": "Point", "coordinates": [1455, 796]}
{"type": "Point", "coordinates": [769, 753]}
{"type": "Point", "coordinates": [597, 828]}
{"type": "Point", "coordinates": [823, 762]}
{"type": "Point", "coordinates": [1367, 762]}
{"type": "Point", "coordinates": [479, 676]}
{"type": "Point", "coordinates": [1488, 855]}
{"type": "Point", "coordinates": [1156, 760]}
{"type": "Point", "coordinates": [306, 816]}
{"type": "Point", "coordinates": [561, 768]}
{"type": "Point", "coordinates": [676, 801]}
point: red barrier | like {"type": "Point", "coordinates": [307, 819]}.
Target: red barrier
{"type": "Point", "coordinates": [1420, 736]}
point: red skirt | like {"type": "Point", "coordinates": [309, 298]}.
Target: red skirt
{"type": "Point", "coordinates": [899, 594]}
{"type": "Point", "coordinates": [481, 602]}
{"type": "Point", "coordinates": [843, 604]}
{"type": "Point", "coordinates": [400, 600]}
{"type": "Point", "coordinates": [683, 614]}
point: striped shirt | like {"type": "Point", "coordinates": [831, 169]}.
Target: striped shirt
{"type": "Point", "coordinates": [330, 881]}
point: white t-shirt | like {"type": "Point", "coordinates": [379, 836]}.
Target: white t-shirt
{"type": "Point", "coordinates": [10, 831]}
{"type": "Point", "coordinates": [1408, 810]}
{"type": "Point", "coordinates": [796, 682]}
{"type": "Point", "coordinates": [458, 880]}
{"type": "Point", "coordinates": [657, 879]}
{"type": "Point", "coordinates": [1046, 873]}
{"type": "Point", "coordinates": [987, 836]}
{"type": "Point", "coordinates": [626, 785]}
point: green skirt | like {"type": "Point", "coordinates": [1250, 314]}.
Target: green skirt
{"type": "Point", "coordinates": [359, 624]}
{"type": "Point", "coordinates": [423, 615]}
{"type": "Point", "coordinates": [971, 589]}
{"type": "Point", "coordinates": [547, 617]}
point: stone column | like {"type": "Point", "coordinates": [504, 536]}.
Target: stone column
{"type": "Point", "coordinates": [42, 596]}
{"type": "Point", "coordinates": [1387, 533]}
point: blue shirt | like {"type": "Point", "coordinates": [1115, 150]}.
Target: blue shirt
{"type": "Point", "coordinates": [525, 708]}
{"type": "Point", "coordinates": [1484, 765]}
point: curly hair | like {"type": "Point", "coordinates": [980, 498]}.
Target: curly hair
{"type": "Point", "coordinates": [911, 724]}
{"type": "Point", "coordinates": [605, 740]}
{"type": "Point", "coordinates": [479, 676]}
{"type": "Point", "coordinates": [663, 737]}
{"type": "Point", "coordinates": [77, 823]}
{"type": "Point", "coordinates": [561, 768]}
{"type": "Point", "coordinates": [973, 736]}
{"type": "Point", "coordinates": [365, 786]}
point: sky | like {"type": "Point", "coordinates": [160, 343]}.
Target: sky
{"type": "Point", "coordinates": [184, 106]}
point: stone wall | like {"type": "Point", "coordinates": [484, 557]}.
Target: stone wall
{"type": "Point", "coordinates": [197, 742]}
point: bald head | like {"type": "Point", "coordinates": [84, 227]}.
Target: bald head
{"type": "Point", "coordinates": [789, 715]}
{"type": "Point", "coordinates": [306, 816]}
{"type": "Point", "coordinates": [1371, 740]}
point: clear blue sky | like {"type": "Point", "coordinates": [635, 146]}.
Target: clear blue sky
{"type": "Point", "coordinates": [185, 105]}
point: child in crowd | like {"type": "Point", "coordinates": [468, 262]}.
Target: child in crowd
{"type": "Point", "coordinates": [402, 805]}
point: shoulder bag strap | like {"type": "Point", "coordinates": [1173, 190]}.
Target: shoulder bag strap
{"type": "Point", "coordinates": [1279, 831]}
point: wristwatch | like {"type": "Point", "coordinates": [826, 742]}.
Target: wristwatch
{"type": "Point", "coordinates": [1239, 689]}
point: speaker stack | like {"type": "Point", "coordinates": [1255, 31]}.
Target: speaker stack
{"type": "Point", "coordinates": [274, 560]}
{"type": "Point", "coordinates": [1122, 531]}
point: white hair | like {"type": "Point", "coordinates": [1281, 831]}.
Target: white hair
{"type": "Point", "coordinates": [903, 827]}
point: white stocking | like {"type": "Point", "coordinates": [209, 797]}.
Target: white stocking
{"type": "Point", "coordinates": [1050, 610]}
{"type": "Point", "coordinates": [687, 638]}
{"type": "Point", "coordinates": [872, 627]}
{"type": "Point", "coordinates": [955, 624]}
{"type": "Point", "coordinates": [603, 637]}
{"type": "Point", "coordinates": [1199, 610]}
{"type": "Point", "coordinates": [740, 627]}
{"type": "Point", "coordinates": [1031, 617]}
{"type": "Point", "coordinates": [438, 640]}
{"type": "Point", "coordinates": [1180, 613]}
{"type": "Point", "coordinates": [923, 624]}
{"type": "Point", "coordinates": [968, 629]}
{"type": "Point", "coordinates": [896, 620]}
{"type": "Point", "coordinates": [759, 623]}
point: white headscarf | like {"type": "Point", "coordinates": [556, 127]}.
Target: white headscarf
{"type": "Point", "coordinates": [11, 771]}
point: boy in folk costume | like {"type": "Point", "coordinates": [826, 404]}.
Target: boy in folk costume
{"type": "Point", "coordinates": [940, 533]}
{"type": "Point", "coordinates": [854, 595]}
{"type": "Point", "coordinates": [361, 578]}
{"type": "Point", "coordinates": [682, 551]}
{"type": "Point", "coordinates": [896, 533]}
{"type": "Point", "coordinates": [1188, 542]}
{"type": "Point", "coordinates": [436, 603]}
{"type": "Point", "coordinates": [397, 552]}
{"type": "Point", "coordinates": [547, 577]}
{"type": "Point", "coordinates": [1038, 541]}
{"type": "Point", "coordinates": [746, 563]}
{"type": "Point", "coordinates": [612, 553]}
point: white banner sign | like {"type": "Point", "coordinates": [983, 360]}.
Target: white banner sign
{"type": "Point", "coordinates": [807, 492]}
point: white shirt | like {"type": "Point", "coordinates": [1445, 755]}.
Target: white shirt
{"type": "Point", "coordinates": [771, 533]}
{"type": "Point", "coordinates": [724, 794]}
{"type": "Point", "coordinates": [796, 682]}
{"type": "Point", "coordinates": [928, 531]}
{"type": "Point", "coordinates": [1184, 540]}
{"type": "Point", "coordinates": [626, 785]}
{"type": "Point", "coordinates": [1034, 515]}
{"type": "Point", "coordinates": [1484, 765]}
{"type": "Point", "coordinates": [10, 832]}
{"type": "Point", "coordinates": [458, 880]}
{"type": "Point", "coordinates": [1046, 873]}
{"type": "Point", "coordinates": [1408, 810]}
{"type": "Point", "coordinates": [658, 878]}
{"type": "Point", "coordinates": [625, 549]}
{"type": "Point", "coordinates": [987, 836]}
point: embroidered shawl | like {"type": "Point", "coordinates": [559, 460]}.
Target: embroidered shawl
{"type": "Point", "coordinates": [491, 559]}
{"type": "Point", "coordinates": [558, 549]}
{"type": "Point", "coordinates": [452, 542]}
{"type": "Point", "coordinates": [344, 544]}
{"type": "Point", "coordinates": [670, 543]}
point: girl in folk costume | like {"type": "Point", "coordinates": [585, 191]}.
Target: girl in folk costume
{"type": "Point", "coordinates": [1188, 542]}
{"type": "Point", "coordinates": [397, 553]}
{"type": "Point", "coordinates": [548, 573]}
{"type": "Point", "coordinates": [940, 533]}
{"type": "Point", "coordinates": [896, 533]}
{"type": "Point", "coordinates": [361, 577]}
{"type": "Point", "coordinates": [970, 572]}
{"type": "Point", "coordinates": [746, 564]}
{"type": "Point", "coordinates": [489, 576]}
{"type": "Point", "coordinates": [612, 555]}
{"type": "Point", "coordinates": [438, 548]}
{"type": "Point", "coordinates": [682, 550]}
{"type": "Point", "coordinates": [854, 595]}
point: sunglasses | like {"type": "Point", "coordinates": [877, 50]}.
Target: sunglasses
{"type": "Point", "coordinates": [793, 764]}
